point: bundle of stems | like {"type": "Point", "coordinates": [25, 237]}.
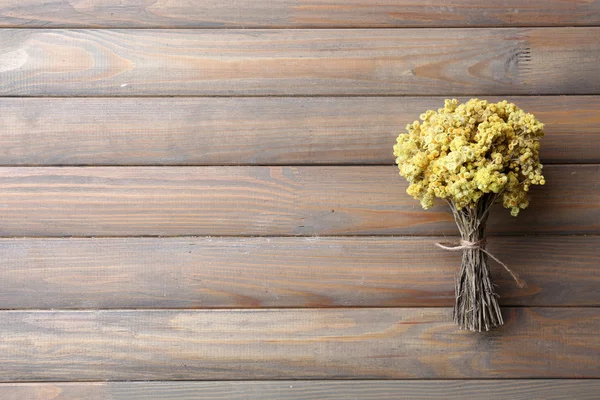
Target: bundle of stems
{"type": "Point", "coordinates": [476, 307]}
{"type": "Point", "coordinates": [473, 155]}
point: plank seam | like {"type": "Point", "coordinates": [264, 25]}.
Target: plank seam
{"type": "Point", "coordinates": [248, 309]}
{"type": "Point", "coordinates": [243, 165]}
{"type": "Point", "coordinates": [545, 234]}
{"type": "Point", "coordinates": [325, 96]}
{"type": "Point", "coordinates": [262, 309]}
{"type": "Point", "coordinates": [283, 27]}
{"type": "Point", "coordinates": [83, 382]}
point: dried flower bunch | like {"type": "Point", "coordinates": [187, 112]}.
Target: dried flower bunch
{"type": "Point", "coordinates": [464, 151]}
{"type": "Point", "coordinates": [473, 155]}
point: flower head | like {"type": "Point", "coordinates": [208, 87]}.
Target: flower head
{"type": "Point", "coordinates": [462, 151]}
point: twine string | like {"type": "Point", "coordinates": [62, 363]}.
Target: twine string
{"type": "Point", "coordinates": [479, 245]}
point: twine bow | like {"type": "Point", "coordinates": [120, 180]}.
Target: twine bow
{"type": "Point", "coordinates": [478, 245]}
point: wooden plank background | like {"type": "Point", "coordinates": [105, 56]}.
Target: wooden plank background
{"type": "Point", "coordinates": [515, 389]}
{"type": "Point", "coordinates": [199, 198]}
{"type": "Point", "coordinates": [300, 62]}
{"type": "Point", "coordinates": [294, 344]}
{"type": "Point", "coordinates": [296, 13]}
{"type": "Point", "coordinates": [232, 272]}
{"type": "Point", "coordinates": [250, 131]}
{"type": "Point", "coordinates": [265, 201]}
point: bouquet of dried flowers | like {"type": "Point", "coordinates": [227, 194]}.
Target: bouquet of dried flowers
{"type": "Point", "coordinates": [473, 155]}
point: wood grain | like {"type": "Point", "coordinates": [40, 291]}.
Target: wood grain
{"type": "Point", "coordinates": [300, 62]}
{"type": "Point", "coordinates": [274, 201]}
{"type": "Point", "coordinates": [297, 344]}
{"type": "Point", "coordinates": [266, 131]}
{"type": "Point", "coordinates": [521, 389]}
{"type": "Point", "coordinates": [284, 272]}
{"type": "Point", "coordinates": [295, 13]}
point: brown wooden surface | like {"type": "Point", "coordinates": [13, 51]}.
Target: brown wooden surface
{"type": "Point", "coordinates": [297, 343]}
{"type": "Point", "coordinates": [300, 62]}
{"type": "Point", "coordinates": [284, 272]}
{"type": "Point", "coordinates": [296, 13]}
{"type": "Point", "coordinates": [250, 201]}
{"type": "Point", "coordinates": [521, 389]}
{"type": "Point", "coordinates": [233, 131]}
{"type": "Point", "coordinates": [231, 149]}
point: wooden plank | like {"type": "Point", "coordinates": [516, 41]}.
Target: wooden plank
{"type": "Point", "coordinates": [283, 272]}
{"type": "Point", "coordinates": [266, 131]}
{"type": "Point", "coordinates": [274, 201]}
{"type": "Point", "coordinates": [299, 62]}
{"type": "Point", "coordinates": [296, 13]}
{"type": "Point", "coordinates": [380, 343]}
{"type": "Point", "coordinates": [515, 389]}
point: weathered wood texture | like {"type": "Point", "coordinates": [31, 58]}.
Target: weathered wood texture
{"type": "Point", "coordinates": [295, 13]}
{"type": "Point", "coordinates": [249, 201]}
{"type": "Point", "coordinates": [282, 307]}
{"type": "Point", "coordinates": [284, 272]}
{"type": "Point", "coordinates": [300, 62]}
{"type": "Point", "coordinates": [274, 344]}
{"type": "Point", "coordinates": [522, 389]}
{"type": "Point", "coordinates": [233, 131]}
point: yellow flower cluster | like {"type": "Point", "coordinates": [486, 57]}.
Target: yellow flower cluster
{"type": "Point", "coordinates": [464, 151]}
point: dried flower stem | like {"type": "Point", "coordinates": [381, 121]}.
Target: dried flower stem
{"type": "Point", "coordinates": [476, 306]}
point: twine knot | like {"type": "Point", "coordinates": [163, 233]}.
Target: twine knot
{"type": "Point", "coordinates": [479, 245]}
